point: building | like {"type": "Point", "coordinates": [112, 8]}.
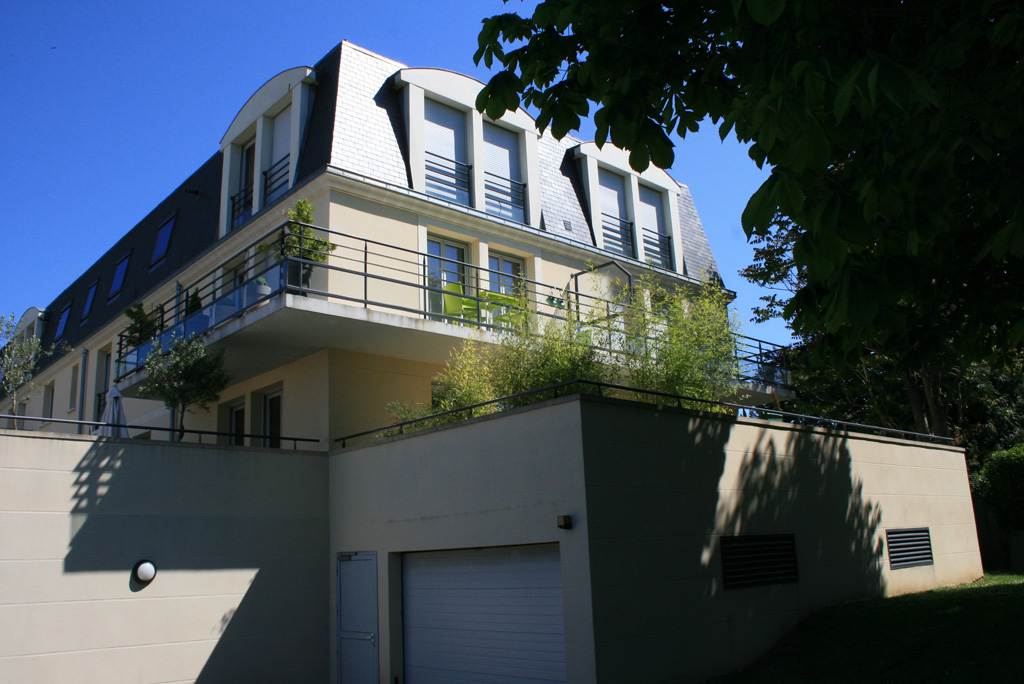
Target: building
{"type": "Point", "coordinates": [427, 216]}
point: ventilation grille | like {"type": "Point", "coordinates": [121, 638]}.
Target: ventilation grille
{"type": "Point", "coordinates": [909, 548]}
{"type": "Point", "coordinates": [752, 560]}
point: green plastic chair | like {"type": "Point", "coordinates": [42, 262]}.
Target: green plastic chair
{"type": "Point", "coordinates": [456, 305]}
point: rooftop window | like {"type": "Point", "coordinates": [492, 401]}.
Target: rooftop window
{"type": "Point", "coordinates": [119, 272]}
{"type": "Point", "coordinates": [163, 241]}
{"type": "Point", "coordinates": [62, 323]}
{"type": "Point", "coordinates": [88, 300]}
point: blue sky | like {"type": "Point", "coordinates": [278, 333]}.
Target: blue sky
{"type": "Point", "coordinates": [107, 106]}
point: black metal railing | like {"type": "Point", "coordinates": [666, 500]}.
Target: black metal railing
{"type": "Point", "coordinates": [613, 391]}
{"type": "Point", "coordinates": [447, 178]}
{"type": "Point", "coordinates": [371, 274]}
{"type": "Point", "coordinates": [618, 235]}
{"type": "Point", "coordinates": [95, 426]}
{"type": "Point", "coordinates": [241, 206]}
{"type": "Point", "coordinates": [657, 248]}
{"type": "Point", "coordinates": [275, 180]}
{"type": "Point", "coordinates": [505, 197]}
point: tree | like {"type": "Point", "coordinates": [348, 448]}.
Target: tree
{"type": "Point", "coordinates": [19, 356]}
{"type": "Point", "coordinates": [187, 375]}
{"type": "Point", "coordinates": [890, 128]}
{"type": "Point", "coordinates": [299, 241]}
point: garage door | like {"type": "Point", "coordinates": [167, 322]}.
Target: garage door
{"type": "Point", "coordinates": [484, 615]}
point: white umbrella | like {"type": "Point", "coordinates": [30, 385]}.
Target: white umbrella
{"type": "Point", "coordinates": [113, 416]}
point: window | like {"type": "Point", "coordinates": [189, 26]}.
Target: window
{"type": "Point", "coordinates": [73, 393]}
{"type": "Point", "coordinates": [236, 425]}
{"type": "Point", "coordinates": [48, 400]}
{"type": "Point", "coordinates": [505, 274]}
{"type": "Point", "coordinates": [88, 301]}
{"type": "Point", "coordinates": [446, 272]}
{"type": "Point", "coordinates": [447, 169]}
{"type": "Point", "coordinates": [119, 272]}
{"type": "Point", "coordinates": [655, 236]}
{"type": "Point", "coordinates": [275, 179]}
{"type": "Point", "coordinates": [241, 201]}
{"type": "Point", "coordinates": [615, 225]}
{"type": "Point", "coordinates": [163, 240]}
{"type": "Point", "coordinates": [272, 419]}
{"type": "Point", "coordinates": [62, 323]}
{"type": "Point", "coordinates": [102, 382]}
{"type": "Point", "coordinates": [504, 191]}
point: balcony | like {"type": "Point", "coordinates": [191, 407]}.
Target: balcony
{"type": "Point", "coordinates": [241, 206]}
{"type": "Point", "coordinates": [275, 180]}
{"type": "Point", "coordinates": [505, 197]}
{"type": "Point", "coordinates": [294, 291]}
{"type": "Point", "coordinates": [618, 235]}
{"type": "Point", "coordinates": [446, 178]}
{"type": "Point", "coordinates": [657, 248]}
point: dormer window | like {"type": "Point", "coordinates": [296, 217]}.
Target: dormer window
{"type": "Point", "coordinates": [261, 146]}
{"type": "Point", "coordinates": [163, 241]}
{"type": "Point", "coordinates": [87, 309]}
{"type": "Point", "coordinates": [119, 272]}
{"type": "Point", "coordinates": [62, 323]}
{"type": "Point", "coordinates": [457, 154]}
{"type": "Point", "coordinates": [446, 155]}
{"type": "Point", "coordinates": [634, 215]}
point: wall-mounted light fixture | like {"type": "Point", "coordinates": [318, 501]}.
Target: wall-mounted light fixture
{"type": "Point", "coordinates": [565, 522]}
{"type": "Point", "coordinates": [144, 571]}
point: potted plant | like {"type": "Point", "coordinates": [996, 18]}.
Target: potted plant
{"type": "Point", "coordinates": [298, 241]}
{"type": "Point", "coordinates": [257, 290]}
{"type": "Point", "coordinates": [197, 321]}
{"type": "Point", "coordinates": [143, 327]}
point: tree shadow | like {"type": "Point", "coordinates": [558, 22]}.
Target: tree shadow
{"type": "Point", "coordinates": [237, 537]}
{"type": "Point", "coordinates": [662, 495]}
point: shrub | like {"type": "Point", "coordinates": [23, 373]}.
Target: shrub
{"type": "Point", "coordinates": [1001, 483]}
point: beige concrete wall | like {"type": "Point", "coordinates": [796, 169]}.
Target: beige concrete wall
{"type": "Point", "coordinates": [238, 537]}
{"type": "Point", "coordinates": [489, 483]}
{"type": "Point", "coordinates": [651, 493]}
{"type": "Point", "coordinates": [663, 487]}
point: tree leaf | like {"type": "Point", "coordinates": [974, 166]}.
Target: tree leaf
{"type": "Point", "coordinates": [761, 207]}
{"type": "Point", "coordinates": [765, 12]}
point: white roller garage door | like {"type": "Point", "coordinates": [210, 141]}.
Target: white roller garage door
{"type": "Point", "coordinates": [484, 615]}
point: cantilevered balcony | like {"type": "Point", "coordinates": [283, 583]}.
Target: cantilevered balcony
{"type": "Point", "coordinates": [300, 288]}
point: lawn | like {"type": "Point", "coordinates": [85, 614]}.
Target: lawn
{"type": "Point", "coordinates": [969, 633]}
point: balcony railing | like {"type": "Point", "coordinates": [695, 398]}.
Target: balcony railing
{"type": "Point", "coordinates": [361, 272]}
{"type": "Point", "coordinates": [657, 248]}
{"type": "Point", "coordinates": [618, 235]}
{"type": "Point", "coordinates": [447, 178]}
{"type": "Point", "coordinates": [275, 180]}
{"type": "Point", "coordinates": [505, 197]}
{"type": "Point", "coordinates": [241, 206]}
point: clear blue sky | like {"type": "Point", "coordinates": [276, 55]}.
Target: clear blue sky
{"type": "Point", "coordinates": [107, 106]}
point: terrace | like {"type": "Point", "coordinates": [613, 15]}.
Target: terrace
{"type": "Point", "coordinates": [300, 287]}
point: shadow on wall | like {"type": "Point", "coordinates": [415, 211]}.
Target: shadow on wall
{"type": "Point", "coordinates": [663, 488]}
{"type": "Point", "coordinates": [239, 538]}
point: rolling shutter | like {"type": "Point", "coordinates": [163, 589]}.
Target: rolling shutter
{"type": "Point", "coordinates": [484, 615]}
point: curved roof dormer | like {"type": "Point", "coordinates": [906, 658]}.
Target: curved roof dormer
{"type": "Point", "coordinates": [459, 90]}
{"type": "Point", "coordinates": [261, 146]}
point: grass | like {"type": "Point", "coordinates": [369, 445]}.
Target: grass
{"type": "Point", "coordinates": [967, 633]}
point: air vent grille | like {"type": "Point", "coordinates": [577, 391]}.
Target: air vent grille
{"type": "Point", "coordinates": [909, 548]}
{"type": "Point", "coordinates": [752, 560]}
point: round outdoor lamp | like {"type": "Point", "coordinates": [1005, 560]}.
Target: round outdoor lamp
{"type": "Point", "coordinates": [144, 571]}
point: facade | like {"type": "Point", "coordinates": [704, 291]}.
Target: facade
{"type": "Point", "coordinates": [430, 222]}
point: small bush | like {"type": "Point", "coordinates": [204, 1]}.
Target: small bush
{"type": "Point", "coordinates": [1001, 483]}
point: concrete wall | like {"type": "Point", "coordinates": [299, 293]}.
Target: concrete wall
{"type": "Point", "coordinates": [651, 492]}
{"type": "Point", "coordinates": [487, 483]}
{"type": "Point", "coordinates": [238, 537]}
{"type": "Point", "coordinates": [663, 487]}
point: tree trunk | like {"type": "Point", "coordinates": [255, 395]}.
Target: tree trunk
{"type": "Point", "coordinates": [916, 401]}
{"type": "Point", "coordinates": [936, 407]}
{"type": "Point", "coordinates": [181, 423]}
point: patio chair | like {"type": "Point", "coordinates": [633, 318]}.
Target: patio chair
{"type": "Point", "coordinates": [456, 305]}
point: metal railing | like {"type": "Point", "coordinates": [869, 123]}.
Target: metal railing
{"type": "Point", "coordinates": [447, 178]}
{"type": "Point", "coordinates": [95, 424]}
{"type": "Point", "coordinates": [504, 197]}
{"type": "Point", "coordinates": [657, 248]}
{"type": "Point", "coordinates": [609, 390]}
{"type": "Point", "coordinates": [241, 206]}
{"type": "Point", "coordinates": [359, 271]}
{"type": "Point", "coordinates": [618, 235]}
{"type": "Point", "coordinates": [275, 180]}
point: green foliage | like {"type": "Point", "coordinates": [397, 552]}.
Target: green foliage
{"type": "Point", "coordinates": [681, 345]}
{"type": "Point", "coordinates": [678, 343]}
{"type": "Point", "coordinates": [19, 357]}
{"type": "Point", "coordinates": [194, 303]}
{"type": "Point", "coordinates": [890, 131]}
{"type": "Point", "coordinates": [1001, 483]}
{"type": "Point", "coordinates": [188, 375]}
{"type": "Point", "coordinates": [298, 240]}
{"type": "Point", "coordinates": [143, 327]}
